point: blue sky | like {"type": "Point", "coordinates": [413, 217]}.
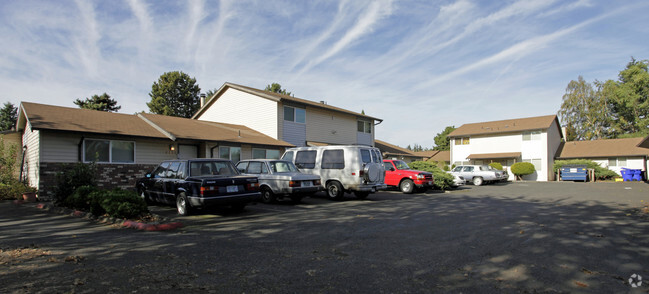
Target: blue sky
{"type": "Point", "coordinates": [419, 65]}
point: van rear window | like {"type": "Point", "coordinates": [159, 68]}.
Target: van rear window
{"type": "Point", "coordinates": [333, 159]}
{"type": "Point", "coordinates": [365, 156]}
{"type": "Point", "coordinates": [305, 159]}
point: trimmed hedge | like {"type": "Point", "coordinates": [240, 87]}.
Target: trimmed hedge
{"type": "Point", "coordinates": [522, 169]}
{"type": "Point", "coordinates": [601, 173]}
{"type": "Point", "coordinates": [496, 165]}
{"type": "Point", "coordinates": [442, 179]}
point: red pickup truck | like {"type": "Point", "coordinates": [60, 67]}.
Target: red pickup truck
{"type": "Point", "coordinates": [399, 174]}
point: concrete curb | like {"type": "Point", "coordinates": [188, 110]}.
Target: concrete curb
{"type": "Point", "coordinates": [142, 226]}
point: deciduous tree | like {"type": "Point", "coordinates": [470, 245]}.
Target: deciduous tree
{"type": "Point", "coordinates": [442, 142]}
{"type": "Point", "coordinates": [175, 94]}
{"type": "Point", "coordinates": [585, 111]}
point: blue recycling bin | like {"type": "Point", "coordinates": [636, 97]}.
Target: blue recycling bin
{"type": "Point", "coordinates": [637, 175]}
{"type": "Point", "coordinates": [627, 175]}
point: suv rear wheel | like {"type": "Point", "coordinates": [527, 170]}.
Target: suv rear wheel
{"type": "Point", "coordinates": [335, 190]}
{"type": "Point", "coordinates": [477, 181]}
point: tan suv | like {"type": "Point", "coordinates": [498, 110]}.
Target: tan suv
{"type": "Point", "coordinates": [346, 168]}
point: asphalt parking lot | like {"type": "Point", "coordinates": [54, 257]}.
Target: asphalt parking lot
{"type": "Point", "coordinates": [514, 237]}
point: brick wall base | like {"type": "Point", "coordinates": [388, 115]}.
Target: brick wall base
{"type": "Point", "coordinates": [109, 176]}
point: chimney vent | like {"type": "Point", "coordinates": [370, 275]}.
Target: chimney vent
{"type": "Point", "coordinates": [202, 99]}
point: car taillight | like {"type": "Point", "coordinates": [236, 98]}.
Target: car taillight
{"type": "Point", "coordinates": [361, 173]}
{"type": "Point", "coordinates": [316, 183]}
{"type": "Point", "coordinates": [208, 188]}
{"type": "Point", "coordinates": [294, 184]}
{"type": "Point", "coordinates": [252, 186]}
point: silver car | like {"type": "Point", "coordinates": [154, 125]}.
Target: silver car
{"type": "Point", "coordinates": [479, 174]}
{"type": "Point", "coordinates": [279, 179]}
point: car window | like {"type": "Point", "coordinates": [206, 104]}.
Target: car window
{"type": "Point", "coordinates": [365, 156]}
{"type": "Point", "coordinates": [264, 168]}
{"type": "Point", "coordinates": [224, 168]}
{"type": "Point", "coordinates": [458, 169]}
{"type": "Point", "coordinates": [305, 159]}
{"type": "Point", "coordinates": [387, 165]}
{"type": "Point", "coordinates": [161, 171]}
{"type": "Point", "coordinates": [288, 156]}
{"type": "Point", "coordinates": [171, 171]}
{"type": "Point", "coordinates": [282, 167]}
{"type": "Point", "coordinates": [376, 156]}
{"type": "Point", "coordinates": [333, 159]}
{"type": "Point", "coordinates": [254, 167]}
{"type": "Point", "coordinates": [401, 165]}
{"type": "Point", "coordinates": [241, 166]}
{"type": "Point", "coordinates": [468, 168]}
{"type": "Point", "coordinates": [181, 171]}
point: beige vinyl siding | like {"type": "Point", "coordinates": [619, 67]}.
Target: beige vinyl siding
{"type": "Point", "coordinates": [330, 127]}
{"type": "Point", "coordinates": [59, 147]}
{"type": "Point", "coordinates": [65, 147]}
{"type": "Point", "coordinates": [237, 107]}
{"type": "Point", "coordinates": [152, 151]}
{"type": "Point", "coordinates": [31, 139]}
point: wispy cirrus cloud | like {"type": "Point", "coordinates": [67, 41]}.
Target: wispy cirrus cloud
{"type": "Point", "coordinates": [413, 63]}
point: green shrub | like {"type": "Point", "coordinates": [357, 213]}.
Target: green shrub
{"type": "Point", "coordinates": [522, 169]}
{"type": "Point", "coordinates": [8, 156]}
{"type": "Point", "coordinates": [11, 189]}
{"type": "Point", "coordinates": [67, 181]}
{"type": "Point", "coordinates": [496, 165]}
{"type": "Point", "coordinates": [443, 180]}
{"type": "Point", "coordinates": [123, 204]}
{"type": "Point", "coordinates": [80, 199]}
{"type": "Point", "coordinates": [601, 173]}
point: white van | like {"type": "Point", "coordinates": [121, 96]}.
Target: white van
{"type": "Point", "coordinates": [345, 168]}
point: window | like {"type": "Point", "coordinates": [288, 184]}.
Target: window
{"type": "Point", "coordinates": [294, 114]}
{"type": "Point", "coordinates": [613, 161]}
{"type": "Point", "coordinates": [231, 153]}
{"type": "Point", "coordinates": [241, 166]}
{"type": "Point", "coordinates": [376, 156]}
{"type": "Point", "coordinates": [536, 162]}
{"type": "Point", "coordinates": [108, 151]}
{"type": "Point", "coordinates": [203, 168]}
{"type": "Point", "coordinates": [333, 159]}
{"type": "Point", "coordinates": [468, 169]}
{"type": "Point", "coordinates": [364, 126]}
{"type": "Point", "coordinates": [462, 141]}
{"type": "Point", "coordinates": [387, 165]}
{"type": "Point", "coordinates": [288, 156]}
{"type": "Point", "coordinates": [172, 171]}
{"type": "Point", "coordinates": [161, 171]}
{"type": "Point", "coordinates": [305, 159]}
{"type": "Point", "coordinates": [282, 167]}
{"type": "Point", "coordinates": [254, 167]}
{"type": "Point", "coordinates": [532, 136]}
{"type": "Point", "coordinates": [265, 154]}
{"type": "Point", "coordinates": [365, 156]}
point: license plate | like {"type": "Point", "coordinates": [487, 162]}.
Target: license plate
{"type": "Point", "coordinates": [232, 189]}
{"type": "Point", "coordinates": [307, 184]}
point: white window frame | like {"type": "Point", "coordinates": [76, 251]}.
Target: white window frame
{"type": "Point", "coordinates": [295, 110]}
{"type": "Point", "coordinates": [537, 166]}
{"type": "Point", "coordinates": [532, 136]}
{"type": "Point", "coordinates": [618, 161]}
{"type": "Point", "coordinates": [367, 126]}
{"type": "Point", "coordinates": [110, 151]}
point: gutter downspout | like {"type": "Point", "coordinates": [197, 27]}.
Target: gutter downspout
{"type": "Point", "coordinates": [22, 163]}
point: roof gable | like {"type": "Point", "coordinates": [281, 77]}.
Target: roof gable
{"type": "Point", "coordinates": [275, 97]}
{"type": "Point", "coordinates": [506, 126]}
{"type": "Point", "coordinates": [602, 148]}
